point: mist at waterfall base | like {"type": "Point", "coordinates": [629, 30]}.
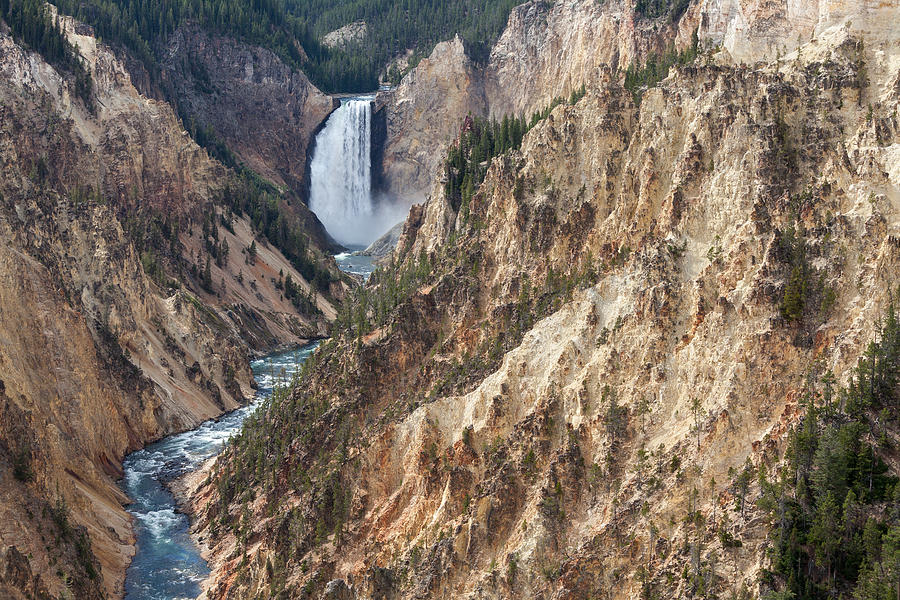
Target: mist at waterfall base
{"type": "Point", "coordinates": [341, 179]}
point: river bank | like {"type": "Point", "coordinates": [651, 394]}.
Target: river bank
{"type": "Point", "coordinates": [189, 503]}
{"type": "Point", "coordinates": [168, 562]}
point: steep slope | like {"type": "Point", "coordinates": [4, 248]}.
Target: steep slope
{"type": "Point", "coordinates": [547, 50]}
{"type": "Point", "coordinates": [108, 338]}
{"type": "Point", "coordinates": [422, 114]}
{"type": "Point", "coordinates": [548, 394]}
{"type": "Point", "coordinates": [264, 111]}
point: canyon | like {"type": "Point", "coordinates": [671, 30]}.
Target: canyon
{"type": "Point", "coordinates": [577, 373]}
{"type": "Point", "coordinates": [109, 341]}
{"type": "Point", "coordinates": [550, 390]}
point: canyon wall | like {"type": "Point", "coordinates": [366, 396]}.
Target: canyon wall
{"type": "Point", "coordinates": [422, 114]}
{"type": "Point", "coordinates": [547, 50]}
{"type": "Point", "coordinates": [266, 112]}
{"type": "Point", "coordinates": [108, 341]}
{"type": "Point", "coordinates": [556, 382]}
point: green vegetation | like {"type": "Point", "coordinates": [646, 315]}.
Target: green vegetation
{"type": "Point", "coordinates": [654, 9]}
{"type": "Point", "coordinates": [468, 159]}
{"type": "Point", "coordinates": [263, 206]}
{"type": "Point", "coordinates": [139, 27]}
{"type": "Point", "coordinates": [480, 141]}
{"type": "Point", "coordinates": [263, 458]}
{"type": "Point", "coordinates": [805, 295]}
{"type": "Point", "coordinates": [615, 422]}
{"type": "Point", "coordinates": [796, 290]}
{"type": "Point", "coordinates": [305, 303]}
{"type": "Point", "coordinates": [656, 68]}
{"type": "Point", "coordinates": [835, 507]}
{"type": "Point", "coordinates": [156, 237]}
{"type": "Point", "coordinates": [59, 513]}
{"type": "Point", "coordinates": [394, 27]}
{"type": "Point", "coordinates": [291, 29]}
{"type": "Point", "coordinates": [369, 307]}
{"type": "Point", "coordinates": [22, 464]}
{"type": "Point", "coordinates": [31, 24]}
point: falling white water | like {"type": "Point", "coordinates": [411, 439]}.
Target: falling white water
{"type": "Point", "coordinates": [341, 177]}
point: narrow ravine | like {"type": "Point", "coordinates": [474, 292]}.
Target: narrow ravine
{"type": "Point", "coordinates": [167, 564]}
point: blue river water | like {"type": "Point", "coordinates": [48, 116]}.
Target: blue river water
{"type": "Point", "coordinates": [357, 264]}
{"type": "Point", "coordinates": [167, 564]}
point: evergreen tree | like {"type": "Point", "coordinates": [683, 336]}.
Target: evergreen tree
{"type": "Point", "coordinates": [206, 281]}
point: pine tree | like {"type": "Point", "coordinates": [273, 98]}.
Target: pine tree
{"type": "Point", "coordinates": [206, 281]}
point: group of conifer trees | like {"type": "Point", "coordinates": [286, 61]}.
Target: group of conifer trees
{"type": "Point", "coordinates": [292, 30]}
{"type": "Point", "coordinates": [835, 506]}
{"type": "Point", "coordinates": [480, 141]}
{"type": "Point", "coordinates": [656, 67]}
{"type": "Point", "coordinates": [248, 195]}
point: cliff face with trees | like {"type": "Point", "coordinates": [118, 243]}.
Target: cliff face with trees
{"type": "Point", "coordinates": [547, 51]}
{"type": "Point", "coordinates": [252, 107]}
{"type": "Point", "coordinates": [294, 30]}
{"type": "Point", "coordinates": [137, 276]}
{"type": "Point", "coordinates": [648, 350]}
{"type": "Point", "coordinates": [156, 235]}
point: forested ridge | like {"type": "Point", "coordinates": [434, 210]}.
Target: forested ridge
{"type": "Point", "coordinates": [394, 27]}
{"type": "Point", "coordinates": [292, 29]}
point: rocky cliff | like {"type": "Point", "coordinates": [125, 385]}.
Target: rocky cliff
{"type": "Point", "coordinates": [351, 33]}
{"type": "Point", "coordinates": [111, 335]}
{"type": "Point", "coordinates": [547, 50]}
{"type": "Point", "coordinates": [549, 394]}
{"type": "Point", "coordinates": [422, 114]}
{"type": "Point", "coordinates": [264, 111]}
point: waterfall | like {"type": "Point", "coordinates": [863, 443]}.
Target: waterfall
{"type": "Point", "coordinates": [341, 175]}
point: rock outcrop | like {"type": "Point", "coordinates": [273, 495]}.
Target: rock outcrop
{"type": "Point", "coordinates": [547, 50]}
{"type": "Point", "coordinates": [351, 33]}
{"type": "Point", "coordinates": [555, 384]}
{"type": "Point", "coordinates": [423, 114]}
{"type": "Point", "coordinates": [385, 245]}
{"type": "Point", "coordinates": [758, 31]}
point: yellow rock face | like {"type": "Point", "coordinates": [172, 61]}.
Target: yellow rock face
{"type": "Point", "coordinates": [650, 241]}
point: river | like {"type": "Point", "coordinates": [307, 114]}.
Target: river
{"type": "Point", "coordinates": [167, 564]}
{"type": "Point", "coordinates": [357, 264]}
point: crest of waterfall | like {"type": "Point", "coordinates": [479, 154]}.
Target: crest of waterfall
{"type": "Point", "coordinates": [341, 175]}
